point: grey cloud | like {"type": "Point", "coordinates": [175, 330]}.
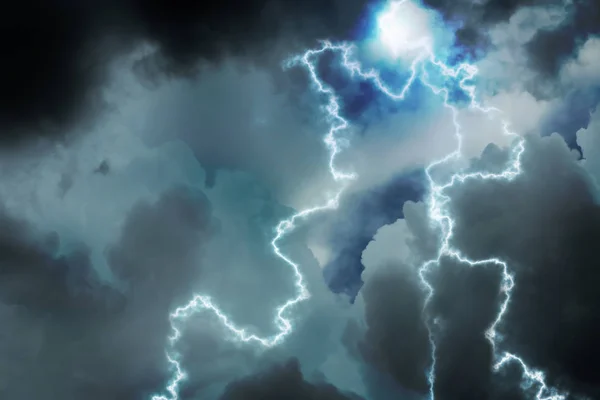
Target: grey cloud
{"type": "Point", "coordinates": [544, 225]}
{"type": "Point", "coordinates": [475, 18]}
{"type": "Point", "coordinates": [549, 49]}
{"type": "Point", "coordinates": [159, 242]}
{"type": "Point", "coordinates": [283, 381]}
{"type": "Point", "coordinates": [73, 336]}
{"type": "Point", "coordinates": [237, 119]}
{"type": "Point", "coordinates": [589, 140]}
{"type": "Point", "coordinates": [464, 305]}
{"type": "Point", "coordinates": [396, 342]}
{"type": "Point", "coordinates": [35, 276]}
{"type": "Point", "coordinates": [58, 54]}
{"type": "Point", "coordinates": [78, 338]}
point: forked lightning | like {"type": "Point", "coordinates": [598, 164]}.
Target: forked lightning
{"type": "Point", "coordinates": [438, 211]}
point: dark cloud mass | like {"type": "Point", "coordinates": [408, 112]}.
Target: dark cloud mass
{"type": "Point", "coordinates": [545, 226]}
{"type": "Point", "coordinates": [389, 315]}
{"type": "Point", "coordinates": [34, 277]}
{"type": "Point", "coordinates": [180, 190]}
{"type": "Point", "coordinates": [76, 337]}
{"type": "Point", "coordinates": [56, 54]}
{"type": "Point", "coordinates": [368, 212]}
{"type": "Point", "coordinates": [548, 49]}
{"type": "Point", "coordinates": [475, 18]}
{"type": "Point", "coordinates": [283, 382]}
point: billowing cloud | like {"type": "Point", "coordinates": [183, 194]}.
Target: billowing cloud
{"type": "Point", "coordinates": [78, 337]}
{"type": "Point", "coordinates": [542, 224]}
{"type": "Point", "coordinates": [360, 216]}
{"type": "Point", "coordinates": [182, 143]}
{"type": "Point", "coordinates": [57, 54]}
{"type": "Point", "coordinates": [393, 305]}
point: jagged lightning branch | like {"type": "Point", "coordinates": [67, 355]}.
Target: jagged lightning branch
{"type": "Point", "coordinates": [437, 211]}
{"type": "Point", "coordinates": [438, 201]}
{"type": "Point", "coordinates": [200, 302]}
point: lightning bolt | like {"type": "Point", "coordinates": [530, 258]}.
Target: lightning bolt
{"type": "Point", "coordinates": [437, 201]}
{"type": "Point", "coordinates": [199, 302]}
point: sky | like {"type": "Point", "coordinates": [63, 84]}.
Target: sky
{"type": "Point", "coordinates": [149, 150]}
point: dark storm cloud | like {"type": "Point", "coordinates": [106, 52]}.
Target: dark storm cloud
{"type": "Point", "coordinates": [157, 247]}
{"type": "Point", "coordinates": [55, 54]}
{"type": "Point", "coordinates": [545, 225]}
{"type": "Point", "coordinates": [465, 303]}
{"type": "Point", "coordinates": [547, 50]}
{"type": "Point", "coordinates": [396, 341]}
{"type": "Point", "coordinates": [34, 276]}
{"type": "Point", "coordinates": [71, 337]}
{"type": "Point", "coordinates": [78, 339]}
{"type": "Point", "coordinates": [356, 222]}
{"type": "Point", "coordinates": [475, 18]}
{"type": "Point", "coordinates": [284, 381]}
{"type": "Point", "coordinates": [571, 115]}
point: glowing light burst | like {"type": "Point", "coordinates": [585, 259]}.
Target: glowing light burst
{"type": "Point", "coordinates": [399, 39]}
{"type": "Point", "coordinates": [404, 29]}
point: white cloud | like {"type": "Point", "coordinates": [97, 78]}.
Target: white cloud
{"type": "Point", "coordinates": [582, 70]}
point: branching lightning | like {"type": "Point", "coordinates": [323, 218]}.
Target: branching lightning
{"type": "Point", "coordinates": [438, 210]}
{"type": "Point", "coordinates": [441, 216]}
{"type": "Point", "coordinates": [282, 321]}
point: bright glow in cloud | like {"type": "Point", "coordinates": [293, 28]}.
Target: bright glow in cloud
{"type": "Point", "coordinates": [405, 29]}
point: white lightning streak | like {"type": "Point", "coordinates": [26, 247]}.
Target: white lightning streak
{"type": "Point", "coordinates": [440, 214]}
{"type": "Point", "coordinates": [204, 303]}
{"type": "Point", "coordinates": [437, 201]}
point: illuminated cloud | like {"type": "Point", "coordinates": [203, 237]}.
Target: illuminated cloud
{"type": "Point", "coordinates": [175, 184]}
{"type": "Point", "coordinates": [404, 29]}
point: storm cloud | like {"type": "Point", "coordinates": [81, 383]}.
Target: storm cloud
{"type": "Point", "coordinates": [57, 55]}
{"type": "Point", "coordinates": [148, 151]}
{"type": "Point", "coordinates": [542, 224]}
{"type": "Point", "coordinates": [77, 336]}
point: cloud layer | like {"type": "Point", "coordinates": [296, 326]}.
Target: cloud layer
{"type": "Point", "coordinates": [159, 145]}
{"type": "Point", "coordinates": [57, 54]}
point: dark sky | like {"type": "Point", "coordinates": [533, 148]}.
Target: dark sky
{"type": "Point", "coordinates": [148, 149]}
